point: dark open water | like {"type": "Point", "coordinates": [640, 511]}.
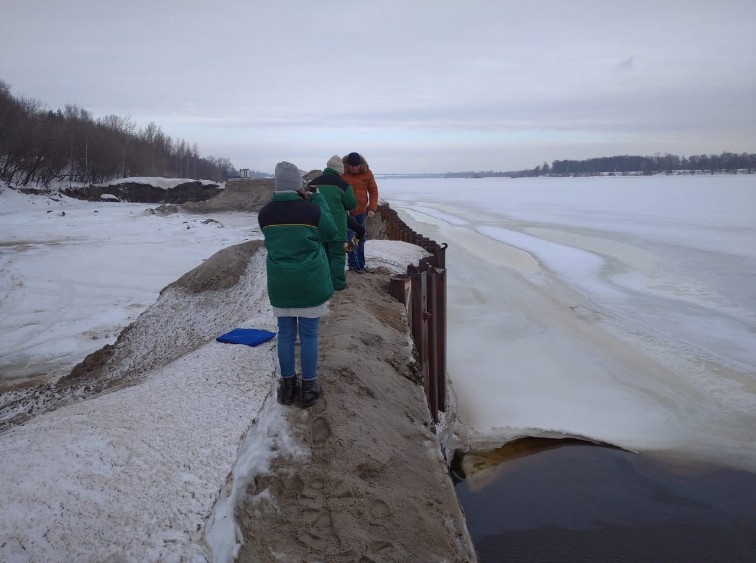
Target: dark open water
{"type": "Point", "coordinates": [586, 503]}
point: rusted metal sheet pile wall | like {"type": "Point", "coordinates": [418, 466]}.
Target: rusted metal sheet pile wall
{"type": "Point", "coordinates": [423, 291]}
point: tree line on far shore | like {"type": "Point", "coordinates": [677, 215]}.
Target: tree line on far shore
{"type": "Point", "coordinates": [38, 145]}
{"type": "Point", "coordinates": [726, 162]}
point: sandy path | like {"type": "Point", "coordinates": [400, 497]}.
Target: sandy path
{"type": "Point", "coordinates": [375, 486]}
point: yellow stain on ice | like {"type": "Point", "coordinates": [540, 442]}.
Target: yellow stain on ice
{"type": "Point", "coordinates": [481, 468]}
{"type": "Point", "coordinates": [483, 247]}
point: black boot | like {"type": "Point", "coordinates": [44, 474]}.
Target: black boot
{"type": "Point", "coordinates": [286, 388]}
{"type": "Point", "coordinates": [311, 392]}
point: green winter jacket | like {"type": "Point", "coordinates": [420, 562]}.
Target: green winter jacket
{"type": "Point", "coordinates": [297, 267]}
{"type": "Point", "coordinates": [340, 198]}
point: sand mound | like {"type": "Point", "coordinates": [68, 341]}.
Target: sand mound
{"type": "Point", "coordinates": [239, 195]}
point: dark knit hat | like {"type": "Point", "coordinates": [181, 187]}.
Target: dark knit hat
{"type": "Point", "coordinates": [288, 177]}
{"type": "Point", "coordinates": [336, 163]}
{"type": "Point", "coordinates": [354, 159]}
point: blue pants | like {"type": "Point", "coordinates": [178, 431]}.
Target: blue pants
{"type": "Point", "coordinates": [356, 259]}
{"type": "Point", "coordinates": [308, 341]}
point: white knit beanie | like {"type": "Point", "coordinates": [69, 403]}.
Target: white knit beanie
{"type": "Point", "coordinates": [288, 177]}
{"type": "Point", "coordinates": [336, 163]}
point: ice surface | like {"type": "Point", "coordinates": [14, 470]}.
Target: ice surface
{"type": "Point", "coordinates": [620, 309]}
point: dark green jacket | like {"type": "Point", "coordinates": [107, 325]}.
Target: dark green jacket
{"type": "Point", "coordinates": [297, 267]}
{"type": "Point", "coordinates": [340, 198]}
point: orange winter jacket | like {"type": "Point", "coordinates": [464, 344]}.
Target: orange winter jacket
{"type": "Point", "coordinates": [365, 188]}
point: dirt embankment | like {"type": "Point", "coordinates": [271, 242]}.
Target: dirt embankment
{"type": "Point", "coordinates": [238, 195]}
{"type": "Point", "coordinates": [251, 195]}
{"type": "Point", "coordinates": [170, 332]}
{"type": "Point", "coordinates": [146, 193]}
{"type": "Point", "coordinates": [113, 365]}
{"type": "Point", "coordinates": [375, 487]}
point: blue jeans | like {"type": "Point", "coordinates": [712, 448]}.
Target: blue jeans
{"type": "Point", "coordinates": [356, 259]}
{"type": "Point", "coordinates": [308, 341]}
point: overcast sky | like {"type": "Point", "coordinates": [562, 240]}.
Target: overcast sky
{"type": "Point", "coordinates": [414, 85]}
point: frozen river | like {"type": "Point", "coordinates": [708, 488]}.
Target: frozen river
{"type": "Point", "coordinates": [618, 309]}
{"type": "Point", "coordinates": [621, 309]}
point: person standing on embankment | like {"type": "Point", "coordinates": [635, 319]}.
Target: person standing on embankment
{"type": "Point", "coordinates": [340, 198]}
{"type": "Point", "coordinates": [358, 174]}
{"type": "Point", "coordinates": [294, 224]}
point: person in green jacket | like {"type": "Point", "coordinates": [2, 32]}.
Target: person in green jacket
{"type": "Point", "coordinates": [294, 224]}
{"type": "Point", "coordinates": [341, 199]}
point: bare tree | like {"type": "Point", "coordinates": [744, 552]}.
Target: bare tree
{"type": "Point", "coordinates": [40, 145]}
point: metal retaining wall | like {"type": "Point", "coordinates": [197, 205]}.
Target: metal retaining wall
{"type": "Point", "coordinates": [422, 290]}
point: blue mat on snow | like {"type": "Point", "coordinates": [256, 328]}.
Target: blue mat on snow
{"type": "Point", "coordinates": [248, 336]}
